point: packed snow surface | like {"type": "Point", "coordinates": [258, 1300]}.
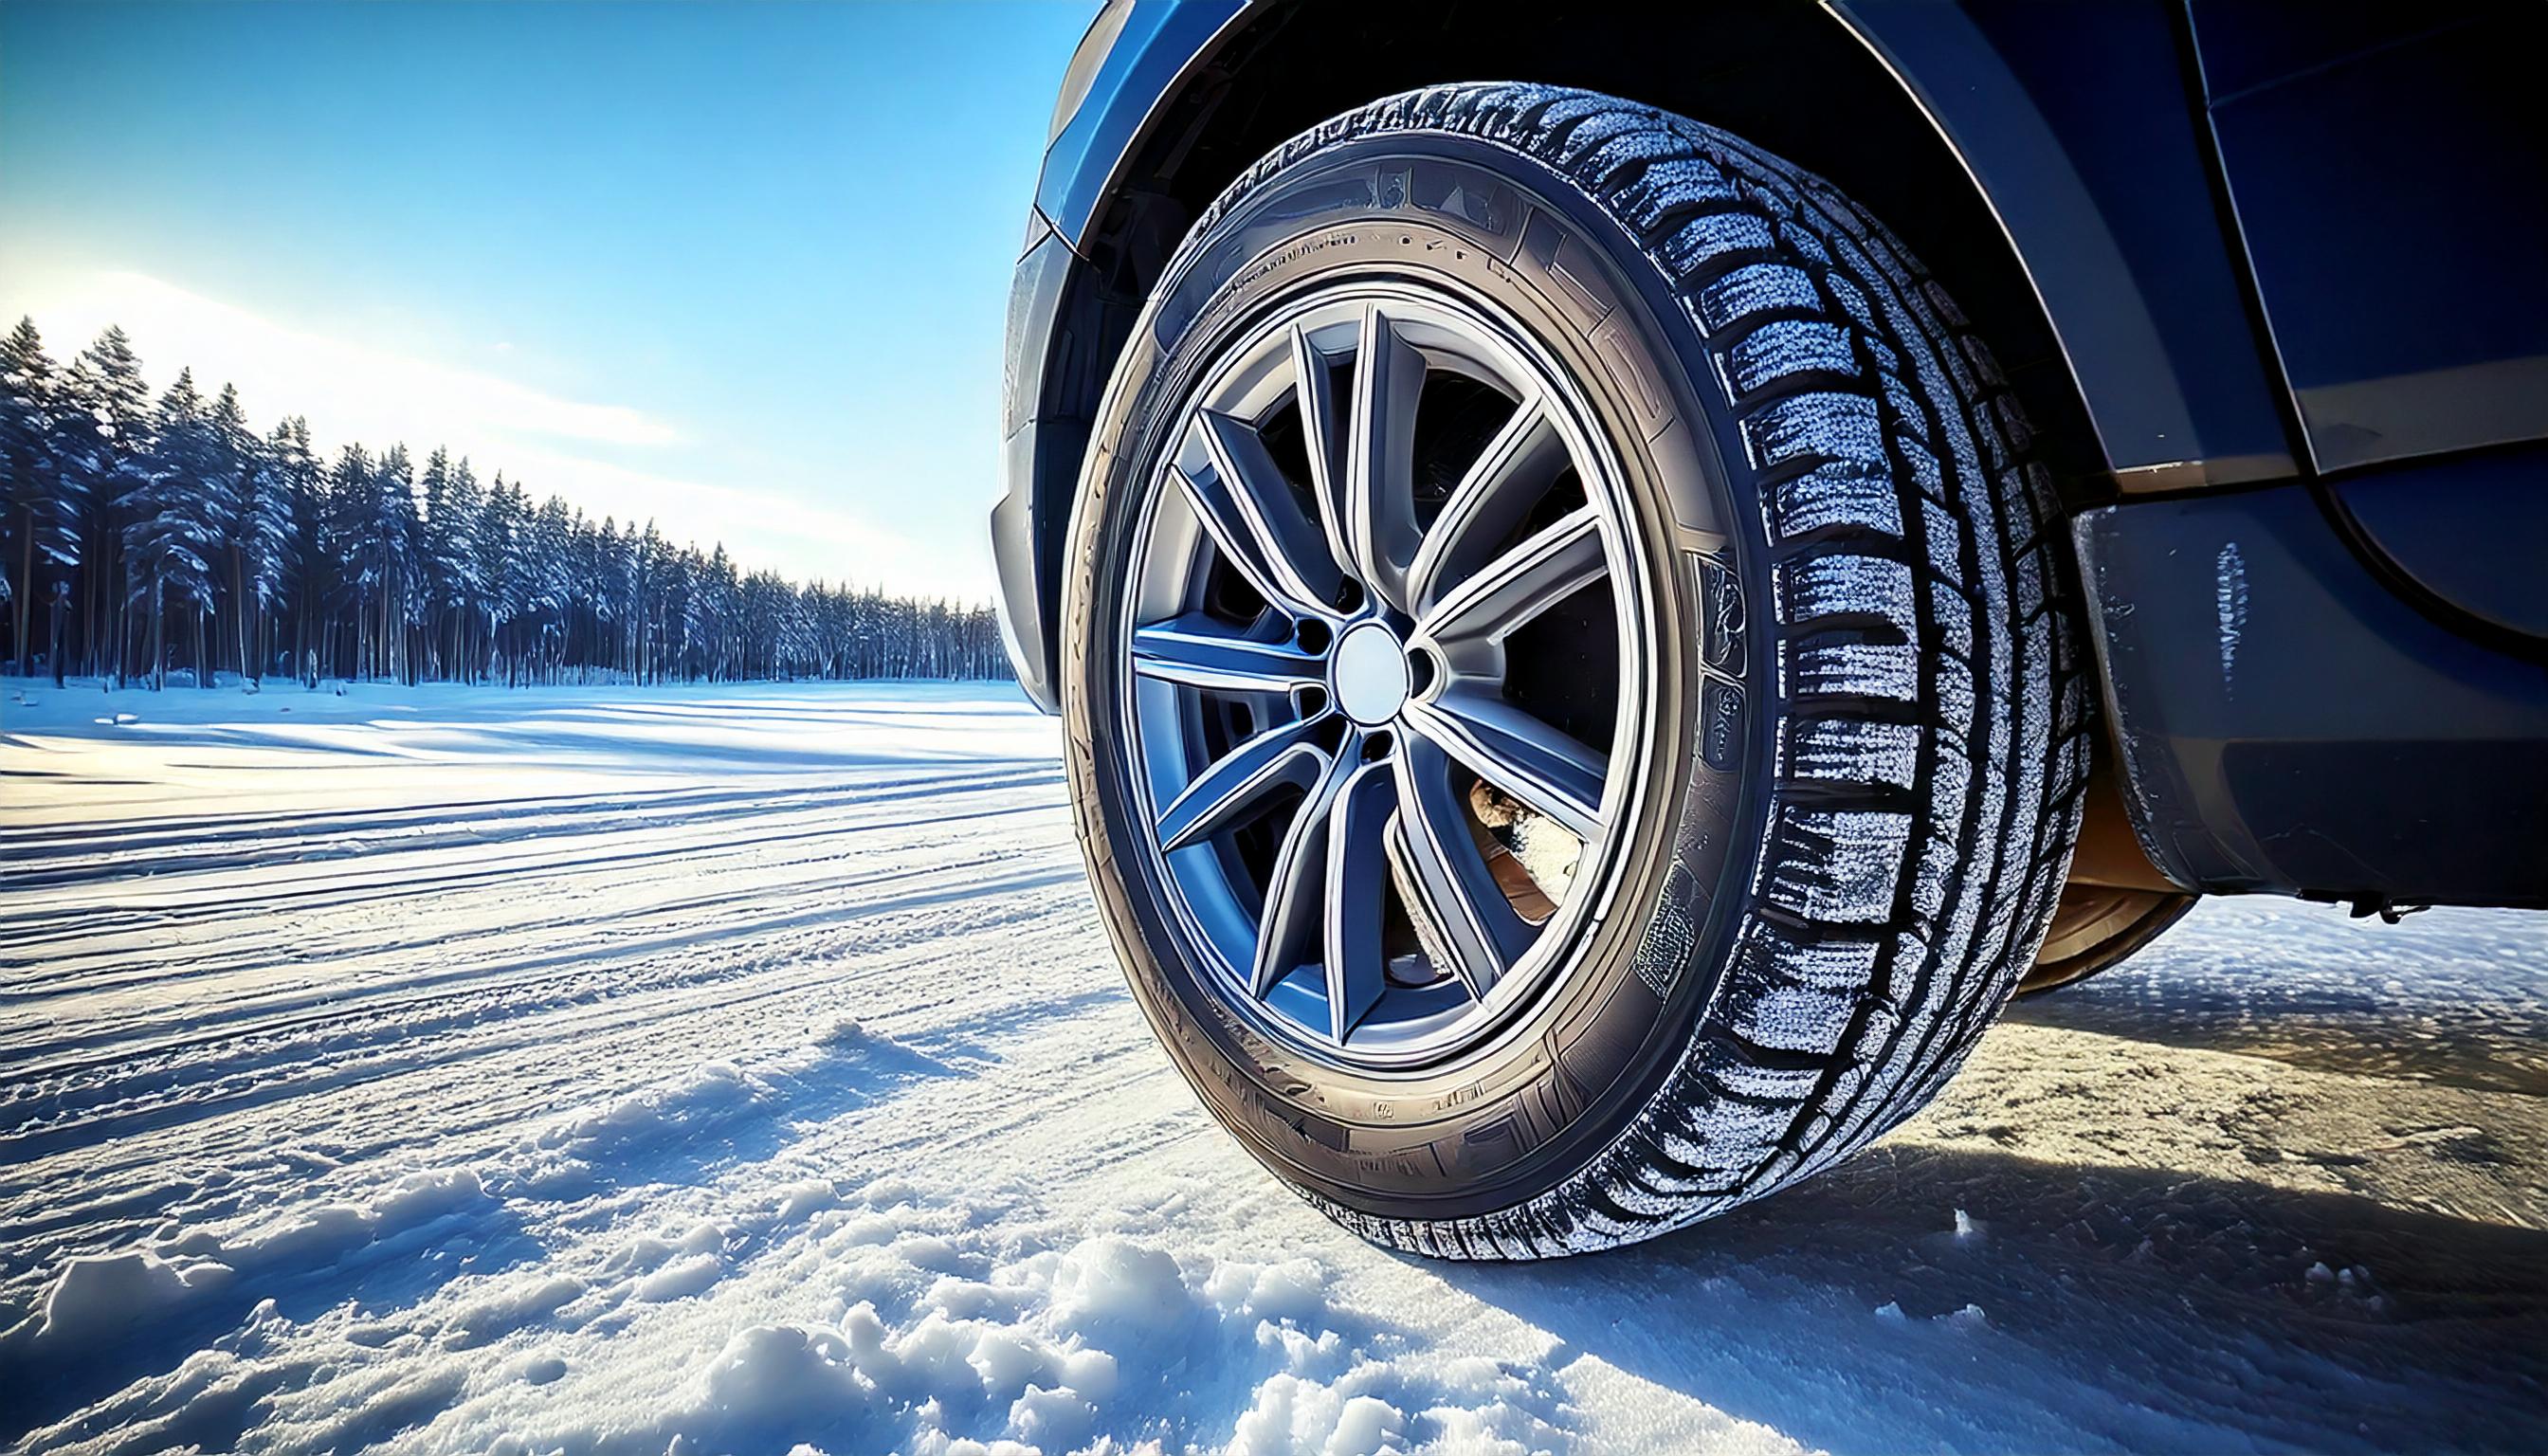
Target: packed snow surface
{"type": "Point", "coordinates": [725, 1069]}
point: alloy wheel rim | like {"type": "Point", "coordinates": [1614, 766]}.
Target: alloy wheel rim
{"type": "Point", "coordinates": [1390, 650]}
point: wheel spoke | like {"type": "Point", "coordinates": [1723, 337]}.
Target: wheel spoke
{"type": "Point", "coordinates": [1378, 508]}
{"type": "Point", "coordinates": [1544, 767]}
{"type": "Point", "coordinates": [1499, 489]}
{"type": "Point", "coordinates": [1238, 780]}
{"type": "Point", "coordinates": [1461, 915]}
{"type": "Point", "coordinates": [1198, 652]}
{"type": "Point", "coordinates": [1322, 438]}
{"type": "Point", "coordinates": [1357, 876]}
{"type": "Point", "coordinates": [1519, 586]}
{"type": "Point", "coordinates": [1247, 508]}
{"type": "Point", "coordinates": [1289, 931]}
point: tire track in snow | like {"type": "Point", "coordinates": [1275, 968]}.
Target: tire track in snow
{"type": "Point", "coordinates": [632, 1037]}
{"type": "Point", "coordinates": [691, 860]}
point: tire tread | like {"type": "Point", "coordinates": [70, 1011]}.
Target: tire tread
{"type": "Point", "coordinates": [1933, 708]}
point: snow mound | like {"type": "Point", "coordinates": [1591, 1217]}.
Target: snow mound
{"type": "Point", "coordinates": [95, 1301]}
{"type": "Point", "coordinates": [99, 1297]}
{"type": "Point", "coordinates": [575, 1155]}
{"type": "Point", "coordinates": [1053, 1348]}
{"type": "Point", "coordinates": [710, 1092]}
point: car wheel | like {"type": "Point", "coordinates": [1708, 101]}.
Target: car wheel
{"type": "Point", "coordinates": [1572, 706]}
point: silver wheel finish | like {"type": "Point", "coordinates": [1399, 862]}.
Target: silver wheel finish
{"type": "Point", "coordinates": [1328, 661]}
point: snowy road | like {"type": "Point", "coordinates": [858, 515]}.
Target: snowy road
{"type": "Point", "coordinates": [608, 1070]}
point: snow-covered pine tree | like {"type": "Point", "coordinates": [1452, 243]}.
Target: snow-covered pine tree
{"type": "Point", "coordinates": [712, 604]}
{"type": "Point", "coordinates": [384, 556]}
{"type": "Point", "coordinates": [434, 489]}
{"type": "Point", "coordinates": [173, 527]}
{"type": "Point", "coordinates": [175, 516]}
{"type": "Point", "coordinates": [294, 490]}
{"type": "Point", "coordinates": [537, 544]}
{"type": "Point", "coordinates": [653, 556]}
{"type": "Point", "coordinates": [594, 547]}
{"type": "Point", "coordinates": [107, 420]}
{"type": "Point", "coordinates": [457, 522]}
{"type": "Point", "coordinates": [528, 571]}
{"type": "Point", "coordinates": [346, 525]}
{"type": "Point", "coordinates": [42, 494]}
{"type": "Point", "coordinates": [266, 539]}
{"type": "Point", "coordinates": [496, 529]}
{"type": "Point", "coordinates": [237, 458]}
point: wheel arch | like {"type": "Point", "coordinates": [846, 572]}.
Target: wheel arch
{"type": "Point", "coordinates": [2086, 239]}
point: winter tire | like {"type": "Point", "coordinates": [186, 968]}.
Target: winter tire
{"type": "Point", "coordinates": [1572, 705]}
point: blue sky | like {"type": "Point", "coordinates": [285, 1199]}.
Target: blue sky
{"type": "Point", "coordinates": [738, 268]}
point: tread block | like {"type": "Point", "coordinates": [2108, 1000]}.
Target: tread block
{"type": "Point", "coordinates": [1939, 301]}
{"type": "Point", "coordinates": [1984, 364]}
{"type": "Point", "coordinates": [1852, 302]}
{"type": "Point", "coordinates": [1945, 539]}
{"type": "Point", "coordinates": [1838, 865]}
{"type": "Point", "coordinates": [1835, 963]}
{"type": "Point", "coordinates": [1737, 1077]}
{"type": "Point", "coordinates": [1756, 288]}
{"type": "Point", "coordinates": [1549, 111]}
{"type": "Point", "coordinates": [1626, 149]}
{"type": "Point", "coordinates": [1723, 1141]}
{"type": "Point", "coordinates": [1817, 587]}
{"type": "Point", "coordinates": [1951, 780]}
{"type": "Point", "coordinates": [1802, 243]}
{"type": "Point", "coordinates": [1838, 495]}
{"type": "Point", "coordinates": [1677, 182]}
{"type": "Point", "coordinates": [1790, 1018]}
{"type": "Point", "coordinates": [1926, 473]}
{"type": "Point", "coordinates": [1823, 424]}
{"type": "Point", "coordinates": [1902, 408]}
{"type": "Point", "coordinates": [1930, 879]}
{"type": "Point", "coordinates": [1595, 127]}
{"type": "Point", "coordinates": [1888, 669]}
{"type": "Point", "coordinates": [1986, 437]}
{"type": "Point", "coordinates": [1784, 348]}
{"type": "Point", "coordinates": [1699, 243]}
{"type": "Point", "coordinates": [1855, 751]}
{"type": "Point", "coordinates": [1955, 690]}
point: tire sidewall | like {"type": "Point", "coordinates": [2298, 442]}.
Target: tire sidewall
{"type": "Point", "coordinates": [1505, 1121]}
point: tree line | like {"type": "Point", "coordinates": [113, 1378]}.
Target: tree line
{"type": "Point", "coordinates": [143, 536]}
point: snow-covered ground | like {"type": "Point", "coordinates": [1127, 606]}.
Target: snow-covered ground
{"type": "Point", "coordinates": [722, 1070]}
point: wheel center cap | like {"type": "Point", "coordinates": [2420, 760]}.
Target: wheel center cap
{"type": "Point", "coordinates": [1370, 672]}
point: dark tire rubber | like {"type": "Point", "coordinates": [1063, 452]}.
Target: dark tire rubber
{"type": "Point", "coordinates": [1877, 713]}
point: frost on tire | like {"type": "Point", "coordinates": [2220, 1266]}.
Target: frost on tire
{"type": "Point", "coordinates": [1922, 741]}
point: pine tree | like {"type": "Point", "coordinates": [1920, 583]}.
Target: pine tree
{"type": "Point", "coordinates": [108, 435]}
{"type": "Point", "coordinates": [264, 539]}
{"type": "Point", "coordinates": [497, 529]}
{"type": "Point", "coordinates": [303, 493]}
{"type": "Point", "coordinates": [434, 489]}
{"type": "Point", "coordinates": [173, 525]}
{"type": "Point", "coordinates": [454, 526]}
{"type": "Point", "coordinates": [137, 520]}
{"type": "Point", "coordinates": [345, 525]}
{"type": "Point", "coordinates": [238, 456]}
{"type": "Point", "coordinates": [385, 554]}
{"type": "Point", "coordinates": [42, 494]}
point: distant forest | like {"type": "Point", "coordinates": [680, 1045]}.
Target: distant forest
{"type": "Point", "coordinates": [143, 537]}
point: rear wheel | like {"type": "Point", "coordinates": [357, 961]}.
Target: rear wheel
{"type": "Point", "coordinates": [1573, 711]}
